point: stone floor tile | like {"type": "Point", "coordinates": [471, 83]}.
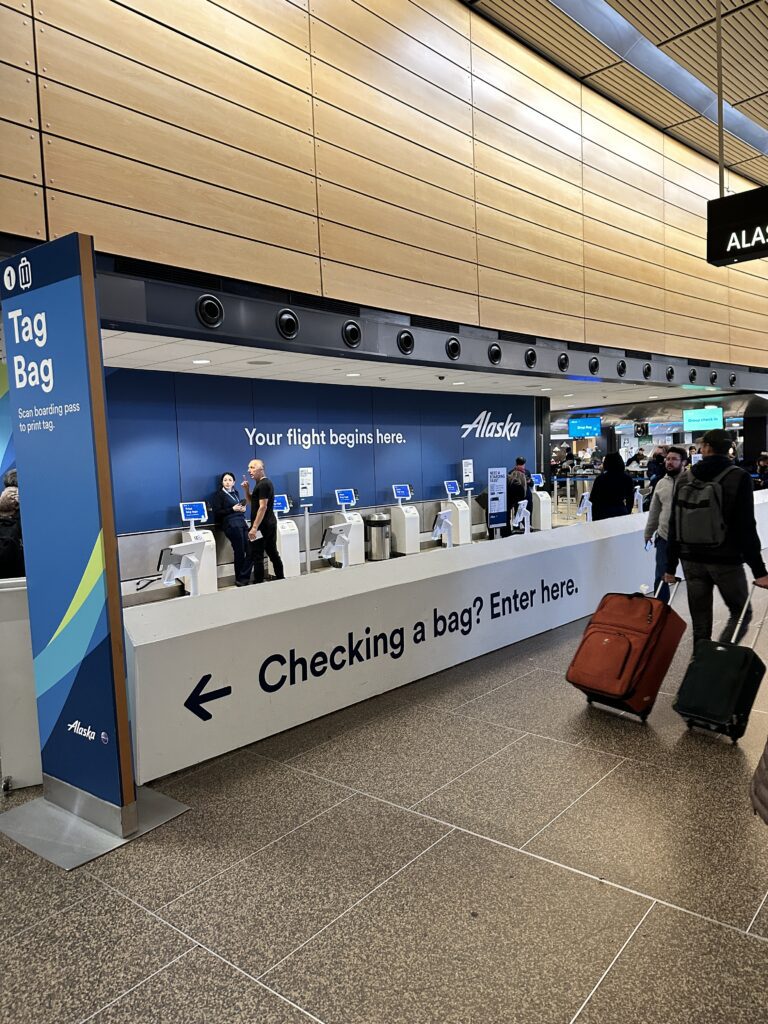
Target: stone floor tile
{"type": "Point", "coordinates": [258, 911]}
{"type": "Point", "coordinates": [69, 966]}
{"type": "Point", "coordinates": [406, 755]}
{"type": "Point", "coordinates": [470, 932]}
{"type": "Point", "coordinates": [518, 791]}
{"type": "Point", "coordinates": [679, 969]}
{"type": "Point", "coordinates": [685, 837]}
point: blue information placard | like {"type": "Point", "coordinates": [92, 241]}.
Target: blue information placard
{"type": "Point", "coordinates": [280, 503]}
{"type": "Point", "coordinates": [58, 419]}
{"type": "Point", "coordinates": [452, 488]}
{"type": "Point", "coordinates": [537, 479]}
{"type": "Point", "coordinates": [194, 511]}
{"type": "Point", "coordinates": [402, 491]}
{"type": "Point", "coordinates": [346, 496]}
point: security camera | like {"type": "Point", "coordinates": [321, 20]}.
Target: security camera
{"type": "Point", "coordinates": [440, 376]}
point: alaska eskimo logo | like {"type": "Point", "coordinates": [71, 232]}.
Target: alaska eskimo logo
{"type": "Point", "coordinates": [81, 730]}
{"type": "Point", "coordinates": [483, 426]}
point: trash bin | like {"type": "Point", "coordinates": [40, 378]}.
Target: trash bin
{"type": "Point", "coordinates": [378, 528]}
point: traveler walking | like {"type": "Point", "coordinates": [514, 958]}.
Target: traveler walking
{"type": "Point", "coordinates": [659, 513]}
{"type": "Point", "coordinates": [712, 531]}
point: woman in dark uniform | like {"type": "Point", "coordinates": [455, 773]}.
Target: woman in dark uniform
{"type": "Point", "coordinates": [229, 514]}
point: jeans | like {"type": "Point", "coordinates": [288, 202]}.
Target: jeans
{"type": "Point", "coordinates": [661, 568]}
{"type": "Point", "coordinates": [266, 545]}
{"type": "Point", "coordinates": [731, 581]}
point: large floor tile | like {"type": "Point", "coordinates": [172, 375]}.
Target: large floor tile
{"type": "Point", "coordinates": [406, 755]}
{"type": "Point", "coordinates": [293, 742]}
{"type": "Point", "coordinates": [32, 889]}
{"type": "Point", "coordinates": [679, 969]}
{"type": "Point", "coordinates": [237, 805]}
{"type": "Point", "coordinates": [71, 965]}
{"type": "Point", "coordinates": [688, 838]}
{"type": "Point", "coordinates": [200, 989]}
{"type": "Point", "coordinates": [516, 792]}
{"type": "Point", "coordinates": [470, 932]}
{"type": "Point", "coordinates": [540, 702]}
{"type": "Point", "coordinates": [465, 682]}
{"type": "Point", "coordinates": [760, 926]}
{"type": "Point", "coordinates": [258, 911]}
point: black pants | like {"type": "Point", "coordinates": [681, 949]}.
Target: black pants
{"type": "Point", "coordinates": [236, 531]}
{"type": "Point", "coordinates": [266, 545]}
{"type": "Point", "coordinates": [731, 581]}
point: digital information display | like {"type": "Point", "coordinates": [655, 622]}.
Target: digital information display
{"type": "Point", "coordinates": [702, 419]}
{"type": "Point", "coordinates": [452, 488]}
{"type": "Point", "coordinates": [584, 426]}
{"type": "Point", "coordinates": [538, 479]}
{"type": "Point", "coordinates": [280, 503]}
{"type": "Point", "coordinates": [194, 510]}
{"type": "Point", "coordinates": [402, 491]}
{"type": "Point", "coordinates": [345, 496]}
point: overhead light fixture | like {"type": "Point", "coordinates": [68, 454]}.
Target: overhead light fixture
{"type": "Point", "coordinates": [570, 395]}
{"type": "Point", "coordinates": [651, 397]}
{"type": "Point", "coordinates": [456, 383]}
{"type": "Point", "coordinates": [353, 374]}
{"type": "Point", "coordinates": [201, 362]}
{"type": "Point", "coordinates": [259, 362]}
{"type": "Point", "coordinates": [546, 389]}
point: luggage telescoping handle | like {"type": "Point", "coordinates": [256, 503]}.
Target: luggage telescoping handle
{"type": "Point", "coordinates": [741, 619]}
{"type": "Point", "coordinates": [673, 591]}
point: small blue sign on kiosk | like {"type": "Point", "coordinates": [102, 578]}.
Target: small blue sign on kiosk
{"type": "Point", "coordinates": [402, 491]}
{"type": "Point", "coordinates": [280, 503]}
{"type": "Point", "coordinates": [194, 511]}
{"type": "Point", "coordinates": [452, 488]}
{"type": "Point", "coordinates": [346, 496]}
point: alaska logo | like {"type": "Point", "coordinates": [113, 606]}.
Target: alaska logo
{"type": "Point", "coordinates": [745, 240]}
{"type": "Point", "coordinates": [483, 426]}
{"type": "Point", "coordinates": [82, 730]}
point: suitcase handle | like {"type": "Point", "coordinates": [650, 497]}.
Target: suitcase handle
{"type": "Point", "coordinates": [741, 619]}
{"type": "Point", "coordinates": [673, 591]}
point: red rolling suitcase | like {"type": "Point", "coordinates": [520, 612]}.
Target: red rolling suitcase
{"type": "Point", "coordinates": [626, 651]}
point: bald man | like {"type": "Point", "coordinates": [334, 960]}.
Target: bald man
{"type": "Point", "coordinates": [263, 521]}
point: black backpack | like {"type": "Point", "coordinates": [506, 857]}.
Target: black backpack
{"type": "Point", "coordinates": [699, 510]}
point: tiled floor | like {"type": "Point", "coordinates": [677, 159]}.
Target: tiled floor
{"type": "Point", "coordinates": [480, 847]}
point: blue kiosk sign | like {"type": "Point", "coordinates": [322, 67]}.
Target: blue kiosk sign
{"type": "Point", "coordinates": [58, 418]}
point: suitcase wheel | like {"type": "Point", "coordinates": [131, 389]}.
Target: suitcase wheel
{"type": "Point", "coordinates": [644, 716]}
{"type": "Point", "coordinates": [689, 722]}
{"type": "Point", "coordinates": [589, 700]}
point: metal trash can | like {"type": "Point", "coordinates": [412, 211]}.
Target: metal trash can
{"type": "Point", "coordinates": [378, 528]}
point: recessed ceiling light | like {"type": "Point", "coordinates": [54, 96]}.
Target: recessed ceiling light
{"type": "Point", "coordinates": [456, 383]}
{"type": "Point", "coordinates": [546, 389]}
{"type": "Point", "coordinates": [201, 362]}
{"type": "Point", "coordinates": [259, 362]}
{"type": "Point", "coordinates": [353, 374]}
{"type": "Point", "coordinates": [652, 396]}
{"type": "Point", "coordinates": [568, 395]}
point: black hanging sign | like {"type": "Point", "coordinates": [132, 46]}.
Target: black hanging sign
{"type": "Point", "coordinates": [737, 227]}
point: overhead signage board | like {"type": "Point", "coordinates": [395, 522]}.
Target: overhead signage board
{"type": "Point", "coordinates": [702, 419]}
{"type": "Point", "coordinates": [737, 227]}
{"type": "Point", "coordinates": [57, 407]}
{"type": "Point", "coordinates": [584, 426]}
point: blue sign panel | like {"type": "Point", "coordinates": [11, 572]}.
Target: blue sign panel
{"type": "Point", "coordinates": [702, 419]}
{"type": "Point", "coordinates": [56, 395]}
{"type": "Point", "coordinates": [193, 511]}
{"type": "Point", "coordinates": [584, 426]}
{"type": "Point", "coordinates": [452, 488]}
{"type": "Point", "coordinates": [402, 491]}
{"type": "Point", "coordinates": [7, 455]}
{"type": "Point", "coordinates": [345, 496]}
{"type": "Point", "coordinates": [280, 503]}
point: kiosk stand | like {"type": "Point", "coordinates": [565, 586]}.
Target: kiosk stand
{"type": "Point", "coordinates": [585, 508]}
{"type": "Point", "coordinates": [183, 562]}
{"type": "Point", "coordinates": [335, 544]}
{"type": "Point", "coordinates": [443, 528]}
{"type": "Point", "coordinates": [461, 524]}
{"type": "Point", "coordinates": [406, 528]}
{"type": "Point", "coordinates": [287, 538]}
{"type": "Point", "coordinates": [541, 512]}
{"type": "Point", "coordinates": [206, 575]}
{"type": "Point", "coordinates": [355, 554]}
{"type": "Point", "coordinates": [522, 517]}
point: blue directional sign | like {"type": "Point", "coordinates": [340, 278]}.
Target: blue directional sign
{"type": "Point", "coordinates": [57, 410]}
{"type": "Point", "coordinates": [194, 511]}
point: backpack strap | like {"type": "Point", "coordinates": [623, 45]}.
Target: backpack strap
{"type": "Point", "coordinates": [720, 476]}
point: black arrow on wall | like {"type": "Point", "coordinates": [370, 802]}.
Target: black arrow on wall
{"type": "Point", "coordinates": [197, 698]}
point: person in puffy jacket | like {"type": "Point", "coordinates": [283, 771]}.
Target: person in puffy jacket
{"type": "Point", "coordinates": [11, 547]}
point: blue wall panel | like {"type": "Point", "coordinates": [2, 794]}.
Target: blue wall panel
{"type": "Point", "coordinates": [171, 434]}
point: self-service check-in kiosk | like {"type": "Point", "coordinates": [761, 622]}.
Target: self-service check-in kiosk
{"type": "Point", "coordinates": [207, 582]}
{"type": "Point", "coordinates": [183, 562]}
{"type": "Point", "coordinates": [346, 498]}
{"type": "Point", "coordinates": [461, 523]}
{"type": "Point", "coordinates": [288, 544]}
{"type": "Point", "coordinates": [541, 512]}
{"type": "Point", "coordinates": [406, 526]}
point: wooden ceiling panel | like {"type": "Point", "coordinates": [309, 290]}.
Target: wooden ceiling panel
{"type": "Point", "coordinates": [633, 90]}
{"type": "Point", "coordinates": [661, 22]}
{"type": "Point", "coordinates": [702, 135]}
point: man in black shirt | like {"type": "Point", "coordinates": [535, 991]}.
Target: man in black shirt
{"type": "Point", "coordinates": [263, 522]}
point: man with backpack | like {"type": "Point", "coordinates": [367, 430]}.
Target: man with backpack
{"type": "Point", "coordinates": [712, 531]}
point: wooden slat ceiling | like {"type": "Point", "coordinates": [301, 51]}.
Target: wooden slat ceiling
{"type": "Point", "coordinates": [685, 31]}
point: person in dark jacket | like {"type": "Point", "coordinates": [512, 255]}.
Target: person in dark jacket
{"type": "Point", "coordinates": [707, 567]}
{"type": "Point", "coordinates": [11, 548]}
{"type": "Point", "coordinates": [613, 492]}
{"type": "Point", "coordinates": [229, 514]}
